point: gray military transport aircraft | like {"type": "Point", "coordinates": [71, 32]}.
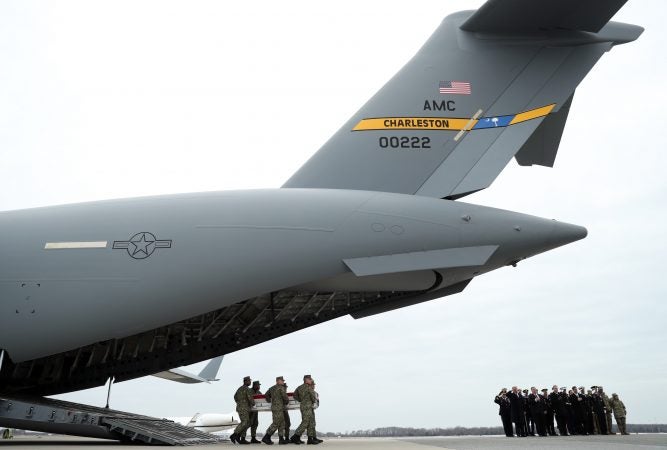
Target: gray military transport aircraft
{"type": "Point", "coordinates": [371, 223]}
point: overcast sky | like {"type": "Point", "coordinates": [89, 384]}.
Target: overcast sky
{"type": "Point", "coordinates": [236, 95]}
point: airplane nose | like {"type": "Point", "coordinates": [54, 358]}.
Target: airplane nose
{"type": "Point", "coordinates": [564, 233]}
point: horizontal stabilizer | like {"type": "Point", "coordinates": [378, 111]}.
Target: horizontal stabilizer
{"type": "Point", "coordinates": [529, 16]}
{"type": "Point", "coordinates": [432, 259]}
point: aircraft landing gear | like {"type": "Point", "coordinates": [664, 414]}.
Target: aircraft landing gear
{"type": "Point", "coordinates": [111, 380]}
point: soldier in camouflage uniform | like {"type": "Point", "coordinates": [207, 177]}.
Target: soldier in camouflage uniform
{"type": "Point", "coordinates": [316, 404]}
{"type": "Point", "coordinates": [306, 398]}
{"type": "Point", "coordinates": [607, 409]}
{"type": "Point", "coordinates": [278, 397]}
{"type": "Point", "coordinates": [288, 422]}
{"type": "Point", "coordinates": [618, 408]}
{"type": "Point", "coordinates": [244, 401]}
{"type": "Point", "coordinates": [254, 415]}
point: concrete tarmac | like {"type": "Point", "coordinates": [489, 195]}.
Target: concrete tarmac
{"type": "Point", "coordinates": [635, 441]}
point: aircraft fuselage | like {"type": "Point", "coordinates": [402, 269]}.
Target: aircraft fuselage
{"type": "Point", "coordinates": [123, 267]}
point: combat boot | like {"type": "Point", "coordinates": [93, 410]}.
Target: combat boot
{"type": "Point", "coordinates": [282, 440]}
{"type": "Point", "coordinates": [312, 441]}
{"type": "Point", "coordinates": [242, 441]}
{"type": "Point", "coordinates": [267, 439]}
{"type": "Point", "coordinates": [319, 441]}
{"type": "Point", "coordinates": [254, 441]}
{"type": "Point", "coordinates": [233, 438]}
{"type": "Point", "coordinates": [296, 439]}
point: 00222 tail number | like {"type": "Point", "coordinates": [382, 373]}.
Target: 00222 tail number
{"type": "Point", "coordinates": [405, 142]}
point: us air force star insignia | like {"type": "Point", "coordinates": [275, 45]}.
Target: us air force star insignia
{"type": "Point", "coordinates": [142, 245]}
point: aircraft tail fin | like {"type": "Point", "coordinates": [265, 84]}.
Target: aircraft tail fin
{"type": "Point", "coordinates": [487, 86]}
{"type": "Point", "coordinates": [193, 420]}
{"type": "Point", "coordinates": [210, 371]}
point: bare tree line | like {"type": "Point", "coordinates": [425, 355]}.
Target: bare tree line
{"type": "Point", "coordinates": [467, 431]}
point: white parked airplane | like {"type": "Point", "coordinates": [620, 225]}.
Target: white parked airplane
{"type": "Point", "coordinates": [209, 422]}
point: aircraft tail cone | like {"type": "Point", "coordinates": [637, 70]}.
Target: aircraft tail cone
{"type": "Point", "coordinates": [565, 233]}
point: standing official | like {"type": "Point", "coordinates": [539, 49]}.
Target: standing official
{"type": "Point", "coordinates": [618, 408]}
{"type": "Point", "coordinates": [549, 416]}
{"type": "Point", "coordinates": [577, 406]}
{"type": "Point", "coordinates": [537, 409]}
{"type": "Point", "coordinates": [530, 424]}
{"type": "Point", "coordinates": [558, 405]}
{"type": "Point", "coordinates": [516, 410]}
{"type": "Point", "coordinates": [306, 398]}
{"type": "Point", "coordinates": [594, 418]}
{"type": "Point", "coordinates": [244, 402]}
{"type": "Point", "coordinates": [505, 411]}
{"type": "Point", "coordinates": [571, 419]}
{"type": "Point", "coordinates": [588, 412]}
{"type": "Point", "coordinates": [278, 398]}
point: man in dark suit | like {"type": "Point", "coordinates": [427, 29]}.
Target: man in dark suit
{"type": "Point", "coordinates": [569, 412]}
{"type": "Point", "coordinates": [588, 412]}
{"type": "Point", "coordinates": [530, 424]}
{"type": "Point", "coordinates": [537, 410]}
{"type": "Point", "coordinates": [579, 413]}
{"type": "Point", "coordinates": [505, 412]}
{"type": "Point", "coordinates": [516, 411]}
{"type": "Point", "coordinates": [558, 406]}
{"type": "Point", "coordinates": [549, 417]}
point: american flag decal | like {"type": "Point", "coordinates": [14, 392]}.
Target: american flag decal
{"type": "Point", "coordinates": [455, 87]}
